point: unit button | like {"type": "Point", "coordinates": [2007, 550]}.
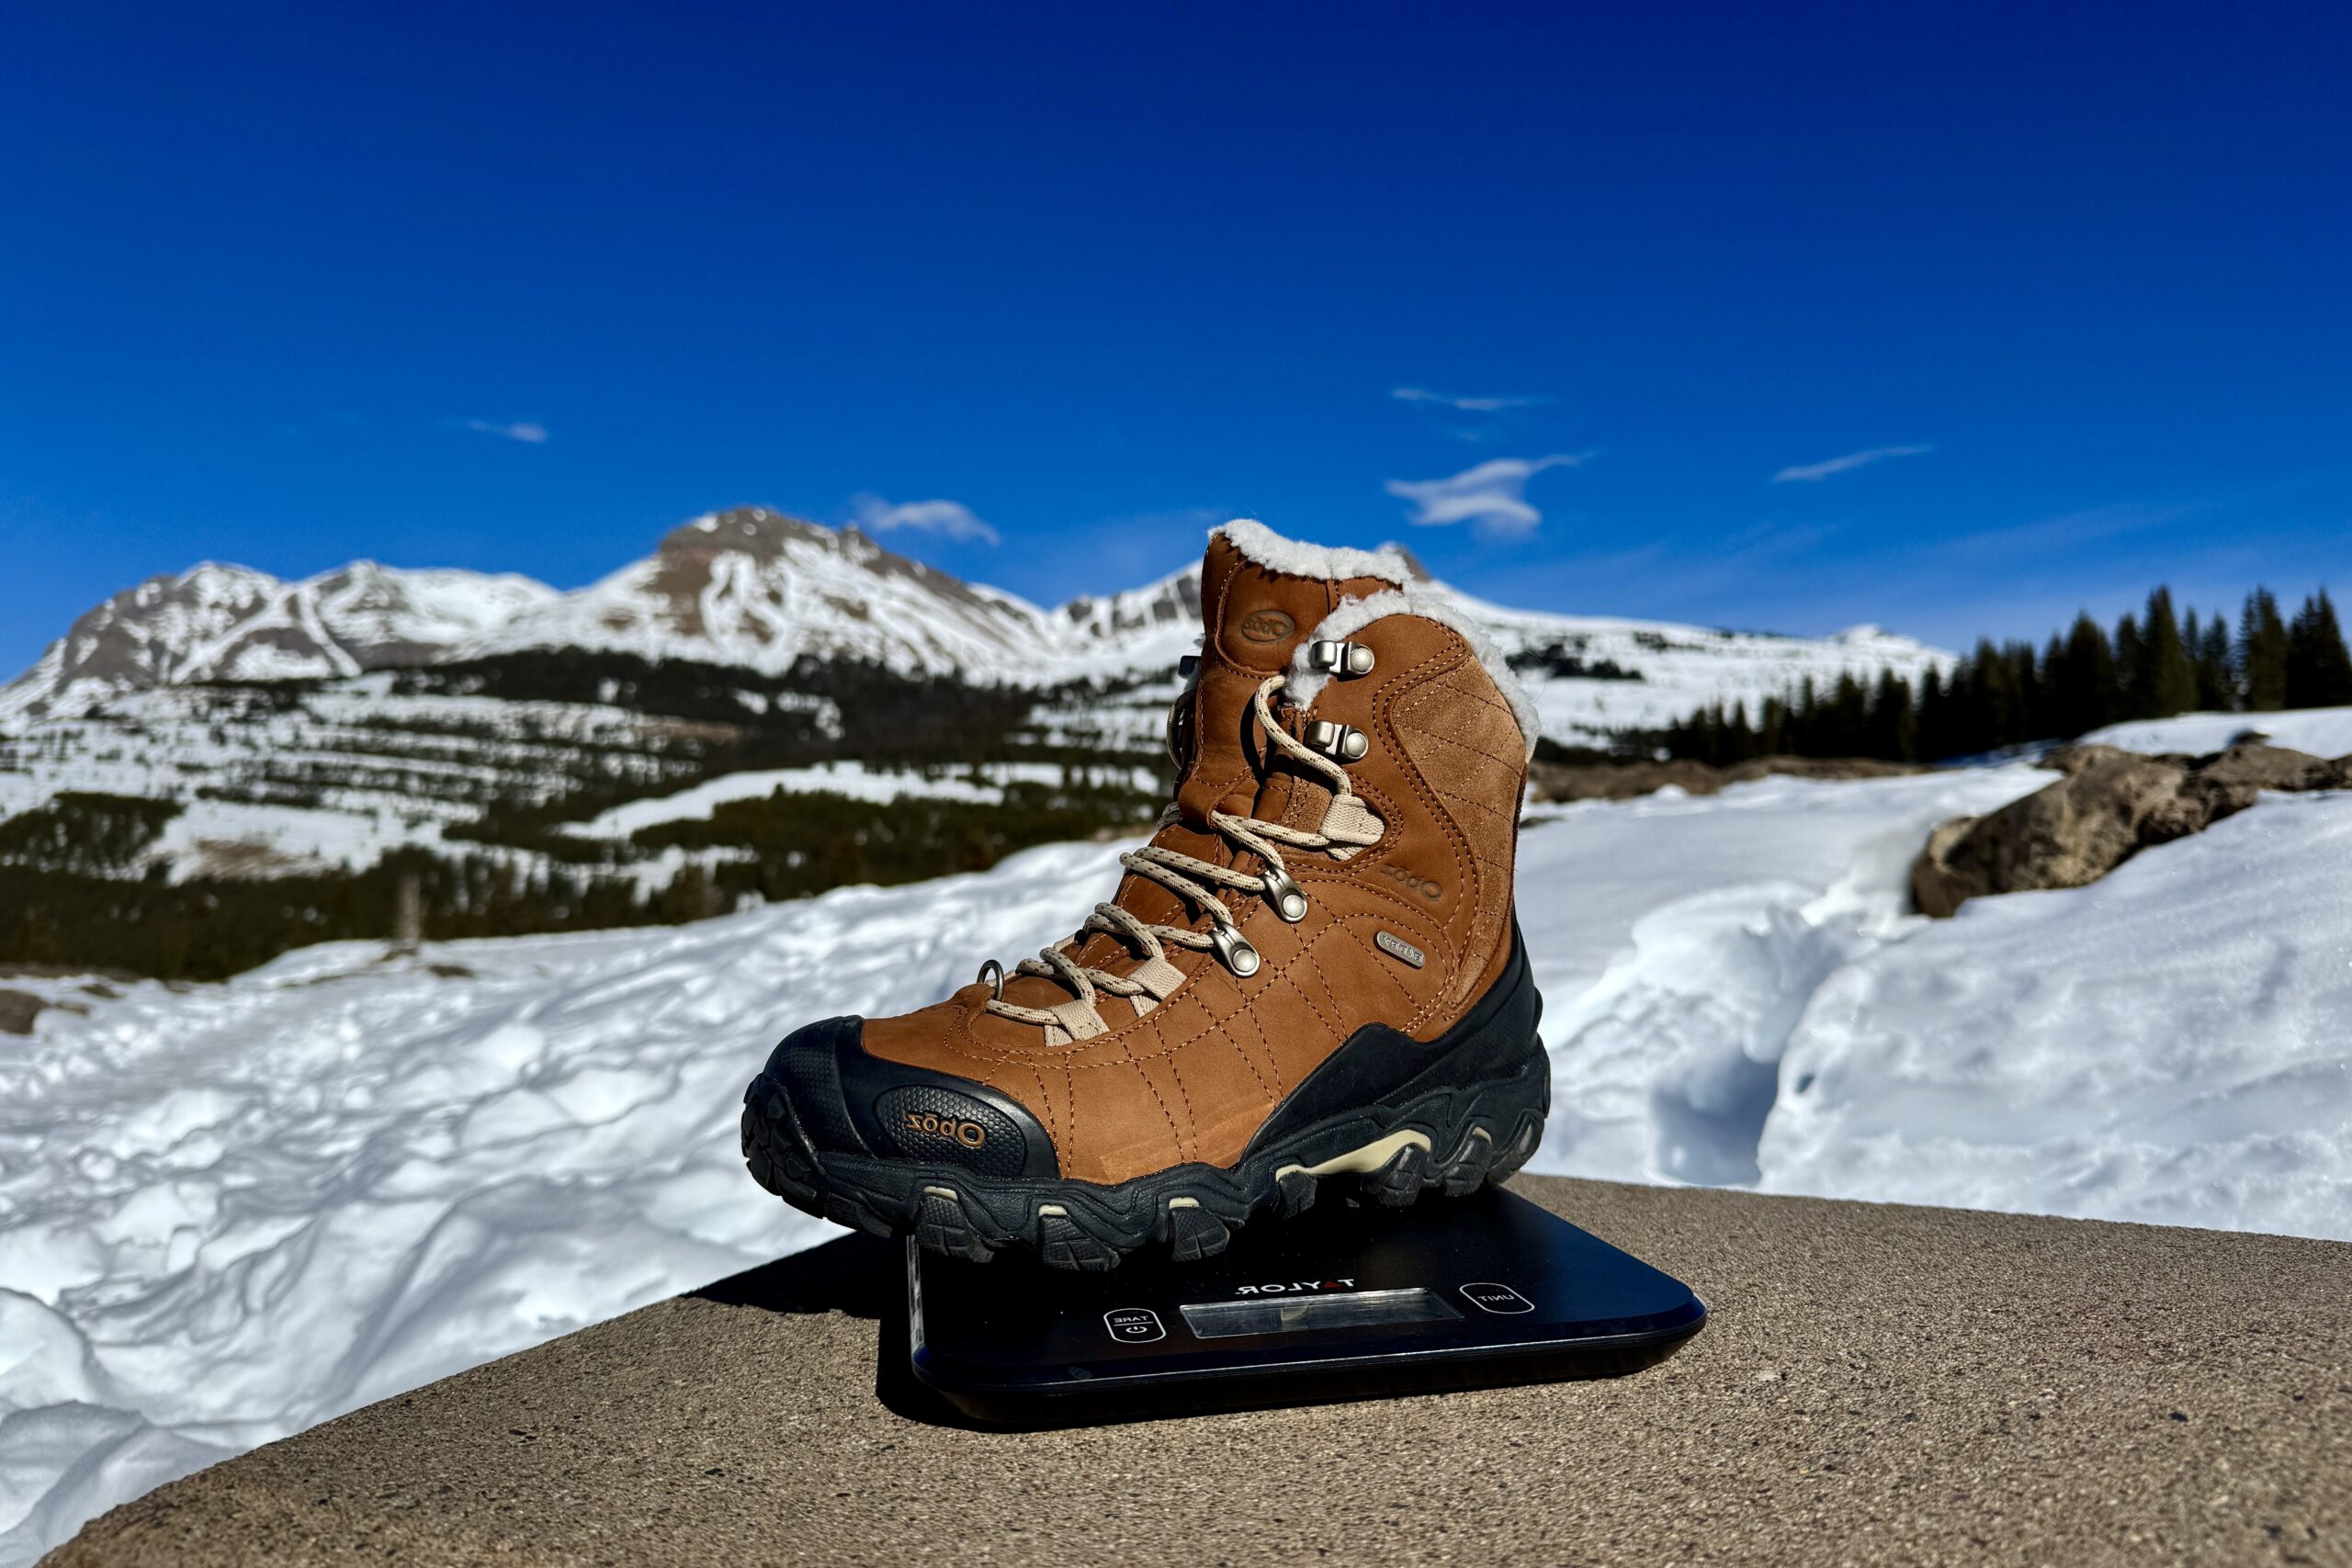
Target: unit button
{"type": "Point", "coordinates": [1134, 1326]}
{"type": "Point", "coordinates": [1497, 1298]}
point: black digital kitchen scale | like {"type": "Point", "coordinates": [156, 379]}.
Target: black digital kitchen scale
{"type": "Point", "coordinates": [1342, 1303]}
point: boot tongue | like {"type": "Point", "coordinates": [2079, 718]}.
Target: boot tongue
{"type": "Point", "coordinates": [1252, 620]}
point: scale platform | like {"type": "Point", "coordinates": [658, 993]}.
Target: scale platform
{"type": "Point", "coordinates": [1344, 1302]}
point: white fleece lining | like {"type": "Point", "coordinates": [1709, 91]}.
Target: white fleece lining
{"type": "Point", "coordinates": [1305, 685]}
{"type": "Point", "coordinates": [1260, 544]}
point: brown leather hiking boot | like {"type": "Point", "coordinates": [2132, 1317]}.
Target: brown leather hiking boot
{"type": "Point", "coordinates": [1311, 973]}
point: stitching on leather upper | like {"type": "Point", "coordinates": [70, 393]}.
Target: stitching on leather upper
{"type": "Point", "coordinates": [1417, 688]}
{"type": "Point", "coordinates": [1188, 1139]}
{"type": "Point", "coordinates": [1224, 1027]}
{"type": "Point", "coordinates": [1135, 1065]}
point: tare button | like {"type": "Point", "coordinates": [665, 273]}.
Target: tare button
{"type": "Point", "coordinates": [1497, 1298]}
{"type": "Point", "coordinates": [1134, 1326]}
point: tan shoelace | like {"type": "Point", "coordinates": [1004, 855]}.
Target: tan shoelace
{"type": "Point", "coordinates": [1348, 825]}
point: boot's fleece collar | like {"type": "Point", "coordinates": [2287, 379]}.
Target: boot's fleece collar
{"type": "Point", "coordinates": [1256, 542]}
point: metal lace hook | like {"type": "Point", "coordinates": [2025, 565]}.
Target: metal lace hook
{"type": "Point", "coordinates": [992, 975]}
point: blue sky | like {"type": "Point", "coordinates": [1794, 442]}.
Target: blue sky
{"type": "Point", "coordinates": [1946, 317]}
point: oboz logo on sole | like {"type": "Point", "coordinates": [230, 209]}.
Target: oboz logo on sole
{"type": "Point", "coordinates": [971, 1134]}
{"type": "Point", "coordinates": [1293, 1287]}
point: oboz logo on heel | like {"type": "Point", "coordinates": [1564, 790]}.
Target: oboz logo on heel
{"type": "Point", "coordinates": [1295, 1287]}
{"type": "Point", "coordinates": [1267, 626]}
{"type": "Point", "coordinates": [971, 1134]}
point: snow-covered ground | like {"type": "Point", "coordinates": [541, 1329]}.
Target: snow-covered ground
{"type": "Point", "coordinates": [2172, 1043]}
{"type": "Point", "coordinates": [229, 1211]}
{"type": "Point", "coordinates": [982, 784]}
{"type": "Point", "coordinates": [2322, 733]}
{"type": "Point", "coordinates": [328, 778]}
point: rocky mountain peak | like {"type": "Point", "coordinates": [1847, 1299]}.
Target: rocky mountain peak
{"type": "Point", "coordinates": [753, 531]}
{"type": "Point", "coordinates": [231, 623]}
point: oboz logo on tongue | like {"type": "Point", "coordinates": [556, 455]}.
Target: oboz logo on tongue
{"type": "Point", "coordinates": [1267, 626]}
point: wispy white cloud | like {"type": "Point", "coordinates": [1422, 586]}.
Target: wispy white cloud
{"type": "Point", "coordinates": [1468, 405]}
{"type": "Point", "coordinates": [947, 519]}
{"type": "Point", "coordinates": [525, 431]}
{"type": "Point", "coordinates": [1812, 473]}
{"type": "Point", "coordinates": [1492, 495]}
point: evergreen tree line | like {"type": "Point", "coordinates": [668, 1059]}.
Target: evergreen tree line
{"type": "Point", "coordinates": [95, 912]}
{"type": "Point", "coordinates": [2151, 666]}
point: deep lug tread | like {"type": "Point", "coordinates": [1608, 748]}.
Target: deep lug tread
{"type": "Point", "coordinates": [1466, 1170]}
{"type": "Point", "coordinates": [1522, 1150]}
{"type": "Point", "coordinates": [1397, 1183]}
{"type": "Point", "coordinates": [940, 1227]}
{"type": "Point", "coordinates": [1063, 1243]}
{"type": "Point", "coordinates": [1294, 1193]}
{"type": "Point", "coordinates": [1193, 1233]}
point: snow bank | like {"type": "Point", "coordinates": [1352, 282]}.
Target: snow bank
{"type": "Point", "coordinates": [1678, 941]}
{"type": "Point", "coordinates": [230, 1211]}
{"type": "Point", "coordinates": [2172, 1043]}
{"type": "Point", "coordinates": [2322, 733]}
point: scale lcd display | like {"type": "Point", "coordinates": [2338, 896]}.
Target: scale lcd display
{"type": "Point", "coordinates": [1290, 1314]}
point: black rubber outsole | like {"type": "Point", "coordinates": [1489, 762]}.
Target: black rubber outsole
{"type": "Point", "coordinates": [1454, 1140]}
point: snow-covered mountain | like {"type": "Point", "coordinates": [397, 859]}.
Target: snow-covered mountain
{"type": "Point", "coordinates": [753, 588]}
{"type": "Point", "coordinates": [1146, 627]}
{"type": "Point", "coordinates": [364, 759]}
{"type": "Point", "coordinates": [756, 589]}
{"type": "Point", "coordinates": [231, 623]}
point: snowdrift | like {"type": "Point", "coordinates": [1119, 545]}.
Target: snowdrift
{"type": "Point", "coordinates": [227, 1212]}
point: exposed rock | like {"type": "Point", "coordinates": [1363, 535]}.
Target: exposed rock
{"type": "Point", "coordinates": [2110, 805]}
{"type": "Point", "coordinates": [18, 1011]}
{"type": "Point", "coordinates": [1624, 780]}
{"type": "Point", "coordinates": [19, 1008]}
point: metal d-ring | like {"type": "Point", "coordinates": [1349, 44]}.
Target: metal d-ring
{"type": "Point", "coordinates": [992, 975]}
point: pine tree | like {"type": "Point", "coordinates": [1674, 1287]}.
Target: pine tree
{"type": "Point", "coordinates": [2216, 680]}
{"type": "Point", "coordinates": [1969, 701]}
{"type": "Point", "coordinates": [1935, 718]}
{"type": "Point", "coordinates": [1849, 719]}
{"type": "Point", "coordinates": [1740, 740]}
{"type": "Point", "coordinates": [2131, 684]}
{"type": "Point", "coordinates": [1894, 721]}
{"type": "Point", "coordinates": [2262, 653]}
{"type": "Point", "coordinates": [2319, 667]}
{"type": "Point", "coordinates": [2084, 678]}
{"type": "Point", "coordinates": [2166, 676]}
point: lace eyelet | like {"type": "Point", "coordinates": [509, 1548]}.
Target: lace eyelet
{"type": "Point", "coordinates": [1345, 660]}
{"type": "Point", "coordinates": [992, 975]}
{"type": "Point", "coordinates": [1287, 897]}
{"type": "Point", "coordinates": [1233, 951]}
{"type": "Point", "coordinates": [1340, 741]}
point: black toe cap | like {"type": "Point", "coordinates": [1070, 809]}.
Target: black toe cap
{"type": "Point", "coordinates": [807, 1063]}
{"type": "Point", "coordinates": [851, 1103]}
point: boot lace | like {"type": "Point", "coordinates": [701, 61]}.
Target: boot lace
{"type": "Point", "coordinates": [1348, 825]}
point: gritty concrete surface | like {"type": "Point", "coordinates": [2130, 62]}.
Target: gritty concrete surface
{"type": "Point", "coordinates": [1876, 1385]}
